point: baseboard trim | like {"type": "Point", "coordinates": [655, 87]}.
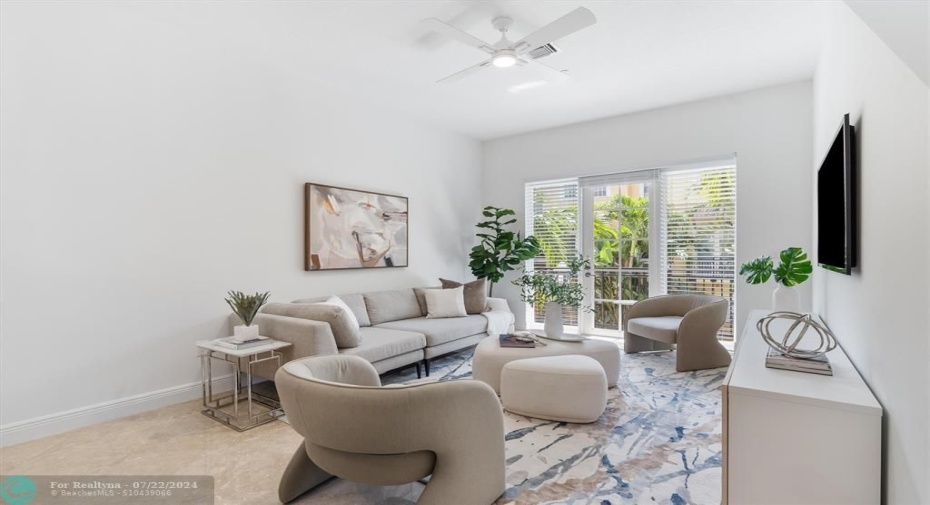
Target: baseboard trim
{"type": "Point", "coordinates": [60, 422]}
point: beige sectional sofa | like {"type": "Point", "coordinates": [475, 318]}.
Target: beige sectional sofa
{"type": "Point", "coordinates": [394, 331]}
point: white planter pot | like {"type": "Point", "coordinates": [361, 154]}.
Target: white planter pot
{"type": "Point", "coordinates": [786, 299]}
{"type": "Point", "coordinates": [243, 331]}
{"type": "Point", "coordinates": [554, 326]}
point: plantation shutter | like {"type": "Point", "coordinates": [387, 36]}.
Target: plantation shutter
{"type": "Point", "coordinates": [552, 217]}
{"type": "Point", "coordinates": [698, 233]}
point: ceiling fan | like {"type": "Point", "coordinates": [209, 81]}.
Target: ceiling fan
{"type": "Point", "coordinates": [504, 53]}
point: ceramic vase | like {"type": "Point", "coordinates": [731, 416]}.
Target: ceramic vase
{"type": "Point", "coordinates": [245, 332]}
{"type": "Point", "coordinates": [554, 325]}
{"type": "Point", "coordinates": [786, 299]}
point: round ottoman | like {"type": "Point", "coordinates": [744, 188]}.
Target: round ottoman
{"type": "Point", "coordinates": [490, 357]}
{"type": "Point", "coordinates": [572, 389]}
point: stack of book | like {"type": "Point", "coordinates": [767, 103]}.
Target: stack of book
{"type": "Point", "coordinates": [520, 341]}
{"type": "Point", "coordinates": [819, 365]}
{"type": "Point", "coordinates": [241, 343]}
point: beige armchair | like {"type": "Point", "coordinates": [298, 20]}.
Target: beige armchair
{"type": "Point", "coordinates": [688, 322]}
{"type": "Point", "coordinates": [355, 429]}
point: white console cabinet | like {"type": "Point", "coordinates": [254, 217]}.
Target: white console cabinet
{"type": "Point", "coordinates": [793, 438]}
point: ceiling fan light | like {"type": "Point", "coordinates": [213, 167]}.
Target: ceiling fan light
{"type": "Point", "coordinates": [504, 60]}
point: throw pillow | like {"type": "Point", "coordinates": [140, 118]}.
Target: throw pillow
{"type": "Point", "coordinates": [442, 303]}
{"type": "Point", "coordinates": [476, 294]}
{"type": "Point", "coordinates": [335, 300]}
{"type": "Point", "coordinates": [345, 333]}
{"type": "Point", "coordinates": [421, 298]}
{"type": "Point", "coordinates": [355, 302]}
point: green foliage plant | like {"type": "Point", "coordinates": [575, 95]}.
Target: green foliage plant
{"type": "Point", "coordinates": [500, 250]}
{"type": "Point", "coordinates": [246, 306]}
{"type": "Point", "coordinates": [539, 288]}
{"type": "Point", "coordinates": [793, 268]}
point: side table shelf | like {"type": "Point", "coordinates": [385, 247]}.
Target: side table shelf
{"type": "Point", "coordinates": [224, 407]}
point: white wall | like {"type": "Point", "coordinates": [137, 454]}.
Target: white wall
{"type": "Point", "coordinates": [879, 313]}
{"type": "Point", "coordinates": [768, 129]}
{"type": "Point", "coordinates": [147, 168]}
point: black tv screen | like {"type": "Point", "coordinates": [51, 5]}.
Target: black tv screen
{"type": "Point", "coordinates": [836, 204]}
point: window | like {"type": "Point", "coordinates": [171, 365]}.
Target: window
{"type": "Point", "coordinates": [552, 217]}
{"type": "Point", "coordinates": [698, 227]}
{"type": "Point", "coordinates": [649, 232]}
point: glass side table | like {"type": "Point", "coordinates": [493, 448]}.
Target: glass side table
{"type": "Point", "coordinates": [224, 407]}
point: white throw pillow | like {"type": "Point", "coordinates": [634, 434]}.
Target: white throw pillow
{"type": "Point", "coordinates": [335, 300]}
{"type": "Point", "coordinates": [442, 303]}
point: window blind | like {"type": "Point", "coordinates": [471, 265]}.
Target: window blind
{"type": "Point", "coordinates": [633, 176]}
{"type": "Point", "coordinates": [552, 217]}
{"type": "Point", "coordinates": [697, 215]}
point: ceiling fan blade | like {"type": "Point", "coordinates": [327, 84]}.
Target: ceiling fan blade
{"type": "Point", "coordinates": [463, 73]}
{"type": "Point", "coordinates": [552, 74]}
{"type": "Point", "coordinates": [456, 34]}
{"type": "Point", "coordinates": [562, 27]}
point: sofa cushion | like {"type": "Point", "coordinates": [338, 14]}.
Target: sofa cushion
{"type": "Point", "coordinates": [663, 329]}
{"type": "Point", "coordinates": [355, 301]}
{"type": "Point", "coordinates": [476, 294]}
{"type": "Point", "coordinates": [384, 306]}
{"type": "Point", "coordinates": [345, 329]}
{"type": "Point", "coordinates": [442, 303]}
{"type": "Point", "coordinates": [383, 343]}
{"type": "Point", "coordinates": [440, 331]}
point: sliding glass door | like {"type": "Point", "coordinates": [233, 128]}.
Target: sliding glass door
{"type": "Point", "coordinates": [618, 238]}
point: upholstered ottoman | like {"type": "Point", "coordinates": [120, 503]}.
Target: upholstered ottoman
{"type": "Point", "coordinates": [490, 357]}
{"type": "Point", "coordinates": [572, 389]}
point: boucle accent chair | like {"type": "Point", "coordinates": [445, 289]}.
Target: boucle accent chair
{"type": "Point", "coordinates": [688, 322]}
{"type": "Point", "coordinates": [356, 430]}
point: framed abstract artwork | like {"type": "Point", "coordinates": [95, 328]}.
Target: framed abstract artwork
{"type": "Point", "coordinates": [348, 228]}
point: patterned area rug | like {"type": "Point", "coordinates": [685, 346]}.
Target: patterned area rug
{"type": "Point", "coordinates": [658, 442]}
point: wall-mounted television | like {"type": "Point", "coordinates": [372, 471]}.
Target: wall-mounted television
{"type": "Point", "coordinates": [836, 203]}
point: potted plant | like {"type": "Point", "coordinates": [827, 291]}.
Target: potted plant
{"type": "Point", "coordinates": [246, 306]}
{"type": "Point", "coordinates": [556, 290]}
{"type": "Point", "coordinates": [500, 250]}
{"type": "Point", "coordinates": [793, 269]}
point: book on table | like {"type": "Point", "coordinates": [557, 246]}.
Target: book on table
{"type": "Point", "coordinates": [510, 340]}
{"type": "Point", "coordinates": [242, 343]}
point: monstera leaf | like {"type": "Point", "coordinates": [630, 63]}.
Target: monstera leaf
{"type": "Point", "coordinates": [757, 271]}
{"type": "Point", "coordinates": [794, 268]}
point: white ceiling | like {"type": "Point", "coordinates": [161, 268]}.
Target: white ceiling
{"type": "Point", "coordinates": [904, 25]}
{"type": "Point", "coordinates": [640, 54]}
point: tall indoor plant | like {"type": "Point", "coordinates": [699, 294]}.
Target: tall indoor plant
{"type": "Point", "coordinates": [793, 269]}
{"type": "Point", "coordinates": [556, 290]}
{"type": "Point", "coordinates": [500, 250]}
{"type": "Point", "coordinates": [246, 307]}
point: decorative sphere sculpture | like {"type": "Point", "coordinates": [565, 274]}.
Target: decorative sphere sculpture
{"type": "Point", "coordinates": [788, 344]}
